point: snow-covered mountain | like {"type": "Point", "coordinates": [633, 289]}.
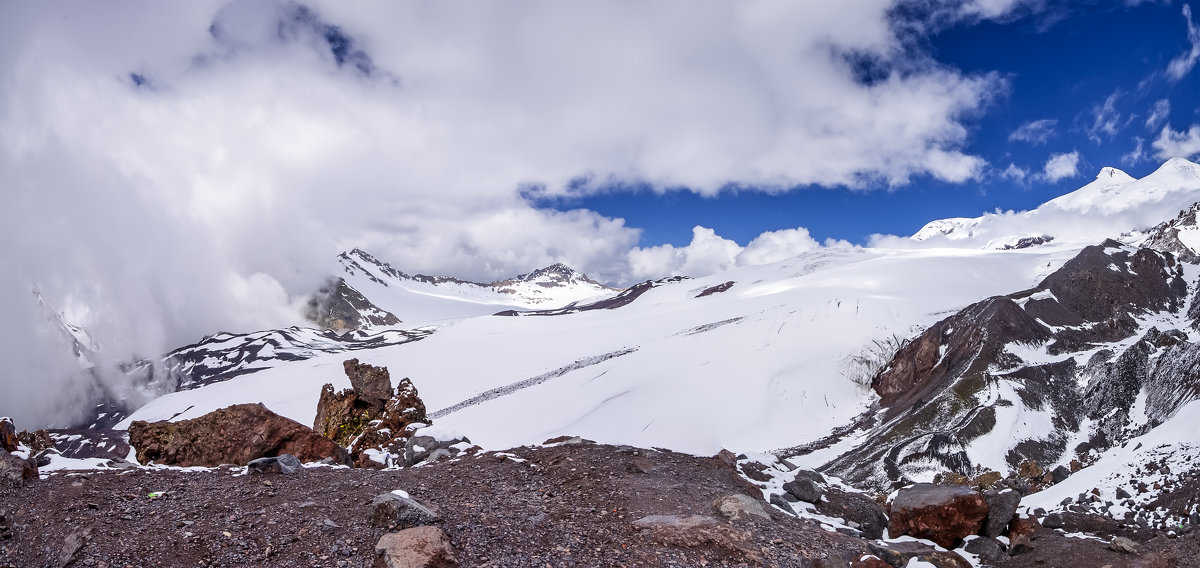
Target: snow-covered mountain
{"type": "Point", "coordinates": [1112, 204]}
{"type": "Point", "coordinates": [421, 298]}
{"type": "Point", "coordinates": [876, 364]}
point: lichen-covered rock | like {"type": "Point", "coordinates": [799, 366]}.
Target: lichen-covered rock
{"type": "Point", "coordinates": [419, 547]}
{"type": "Point", "coordinates": [232, 435]}
{"type": "Point", "coordinates": [944, 514]}
{"type": "Point", "coordinates": [362, 421]}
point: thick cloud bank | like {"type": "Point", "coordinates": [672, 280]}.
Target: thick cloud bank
{"type": "Point", "coordinates": [173, 170]}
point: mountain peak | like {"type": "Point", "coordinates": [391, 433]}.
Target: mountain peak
{"type": "Point", "coordinates": [1113, 174]}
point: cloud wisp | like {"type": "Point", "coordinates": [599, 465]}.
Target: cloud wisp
{"type": "Point", "coordinates": [1182, 65]}
{"type": "Point", "coordinates": [1035, 132]}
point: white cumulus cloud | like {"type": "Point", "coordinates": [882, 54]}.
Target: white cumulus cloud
{"type": "Point", "coordinates": [1177, 143]}
{"type": "Point", "coordinates": [1061, 166]}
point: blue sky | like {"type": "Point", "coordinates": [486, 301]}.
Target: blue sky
{"type": "Point", "coordinates": [1088, 73]}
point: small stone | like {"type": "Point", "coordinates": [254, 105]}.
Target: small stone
{"type": "Point", "coordinates": [1053, 521]}
{"type": "Point", "coordinates": [1019, 544]}
{"type": "Point", "coordinates": [985, 548]}
{"type": "Point", "coordinates": [1122, 544]}
{"type": "Point", "coordinates": [779, 501]}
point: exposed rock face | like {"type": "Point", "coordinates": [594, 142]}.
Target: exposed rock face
{"type": "Point", "coordinates": [338, 307]}
{"type": "Point", "coordinates": [971, 339]}
{"type": "Point", "coordinates": [950, 385]}
{"type": "Point", "coordinates": [420, 547]}
{"type": "Point", "coordinates": [944, 514]}
{"type": "Point", "coordinates": [1165, 236]}
{"type": "Point", "coordinates": [233, 435]}
{"type": "Point", "coordinates": [8, 435]}
{"type": "Point", "coordinates": [370, 415]}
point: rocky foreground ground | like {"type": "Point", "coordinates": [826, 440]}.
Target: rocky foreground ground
{"type": "Point", "coordinates": [560, 505]}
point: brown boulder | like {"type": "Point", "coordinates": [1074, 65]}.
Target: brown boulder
{"type": "Point", "coordinates": [419, 547]}
{"type": "Point", "coordinates": [17, 470]}
{"type": "Point", "coordinates": [944, 514]}
{"type": "Point", "coordinates": [8, 435]}
{"type": "Point", "coordinates": [1023, 526]}
{"type": "Point", "coordinates": [234, 435]}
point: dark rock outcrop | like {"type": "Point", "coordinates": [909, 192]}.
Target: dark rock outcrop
{"type": "Point", "coordinates": [338, 307]}
{"type": "Point", "coordinates": [945, 514]}
{"type": "Point", "coordinates": [939, 389]}
{"type": "Point", "coordinates": [232, 435]}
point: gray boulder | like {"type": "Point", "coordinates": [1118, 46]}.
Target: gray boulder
{"type": "Point", "coordinates": [284, 464]}
{"type": "Point", "coordinates": [805, 489]}
{"type": "Point", "coordinates": [1002, 507]}
{"type": "Point", "coordinates": [427, 448]}
{"type": "Point", "coordinates": [397, 509]}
